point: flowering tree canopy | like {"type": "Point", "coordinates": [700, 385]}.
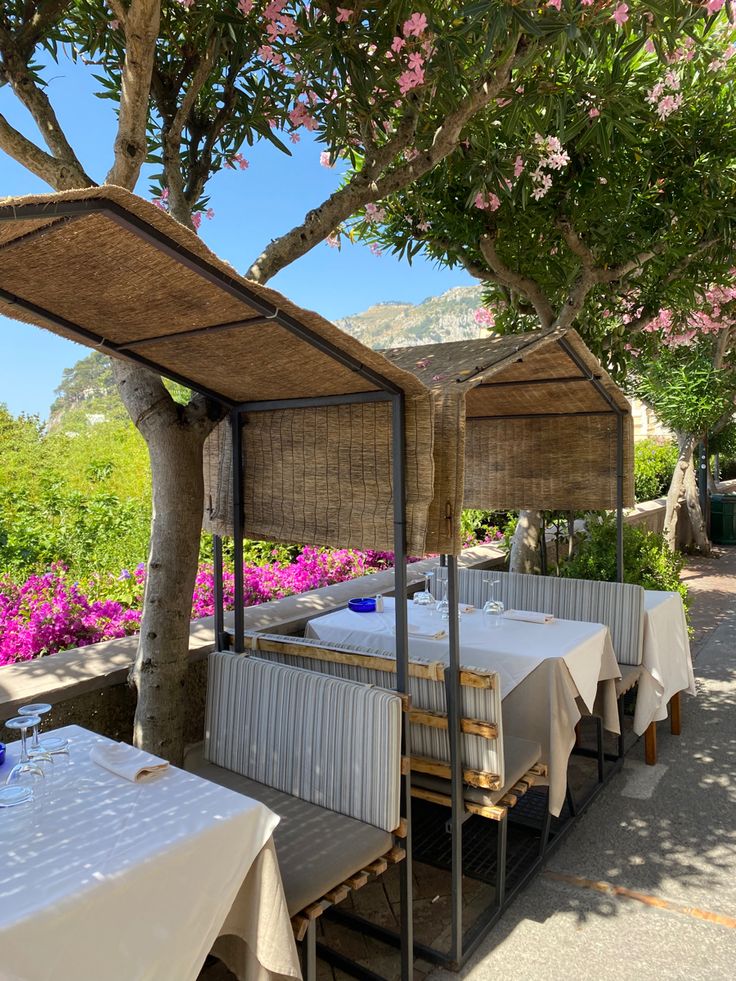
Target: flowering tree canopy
{"type": "Point", "coordinates": [601, 201]}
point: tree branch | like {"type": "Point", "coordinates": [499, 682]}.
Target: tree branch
{"type": "Point", "coordinates": [525, 285]}
{"type": "Point", "coordinates": [131, 146]}
{"type": "Point", "coordinates": [58, 174]}
{"type": "Point", "coordinates": [373, 182]}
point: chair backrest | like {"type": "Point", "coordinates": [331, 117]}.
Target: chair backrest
{"type": "Point", "coordinates": [481, 725]}
{"type": "Point", "coordinates": [620, 606]}
{"type": "Point", "coordinates": [325, 740]}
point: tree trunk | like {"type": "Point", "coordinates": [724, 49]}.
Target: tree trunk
{"type": "Point", "coordinates": [175, 436]}
{"type": "Point", "coordinates": [525, 554]}
{"type": "Point", "coordinates": [676, 493]}
{"type": "Point", "coordinates": [695, 512]}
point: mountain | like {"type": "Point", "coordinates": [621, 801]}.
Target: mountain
{"type": "Point", "coordinates": [87, 394]}
{"type": "Point", "coordinates": [448, 317]}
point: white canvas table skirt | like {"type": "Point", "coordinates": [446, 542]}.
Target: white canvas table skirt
{"type": "Point", "coordinates": [667, 666]}
{"type": "Point", "coordinates": [548, 672]}
{"type": "Point", "coordinates": [102, 878]}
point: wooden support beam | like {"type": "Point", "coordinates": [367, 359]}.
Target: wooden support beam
{"type": "Point", "coordinates": [396, 855]}
{"type": "Point", "coordinates": [402, 829]}
{"type": "Point", "coordinates": [378, 867]}
{"type": "Point", "coordinates": [357, 881]}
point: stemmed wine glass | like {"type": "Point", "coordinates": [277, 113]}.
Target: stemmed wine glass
{"type": "Point", "coordinates": [443, 605]}
{"type": "Point", "coordinates": [27, 773]}
{"type": "Point", "coordinates": [493, 608]}
{"type": "Point", "coordinates": [424, 597]}
{"type": "Point", "coordinates": [49, 744]}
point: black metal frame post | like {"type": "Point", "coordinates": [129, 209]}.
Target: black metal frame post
{"type": "Point", "coordinates": [457, 811]}
{"type": "Point", "coordinates": [620, 496]}
{"type": "Point", "coordinates": [236, 431]}
{"type": "Point", "coordinates": [398, 482]}
{"type": "Point", "coordinates": [219, 599]}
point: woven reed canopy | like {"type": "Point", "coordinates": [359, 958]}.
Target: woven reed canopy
{"type": "Point", "coordinates": [524, 421]}
{"type": "Point", "coordinates": [105, 268]}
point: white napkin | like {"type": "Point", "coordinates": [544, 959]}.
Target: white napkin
{"type": "Point", "coordinates": [427, 632]}
{"type": "Point", "coordinates": [531, 616]}
{"type": "Point", "coordinates": [127, 761]}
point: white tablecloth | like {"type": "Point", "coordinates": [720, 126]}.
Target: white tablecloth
{"type": "Point", "coordinates": [513, 649]}
{"type": "Point", "coordinates": [545, 671]}
{"type": "Point", "coordinates": [106, 879]}
{"type": "Point", "coordinates": [667, 666]}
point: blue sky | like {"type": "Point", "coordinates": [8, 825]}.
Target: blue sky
{"type": "Point", "coordinates": [251, 207]}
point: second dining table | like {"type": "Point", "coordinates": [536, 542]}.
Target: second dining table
{"type": "Point", "coordinates": [550, 673]}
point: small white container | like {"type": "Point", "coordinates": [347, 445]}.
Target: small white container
{"type": "Point", "coordinates": [379, 603]}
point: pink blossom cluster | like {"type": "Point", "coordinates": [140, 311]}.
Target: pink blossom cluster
{"type": "Point", "coordinates": [485, 317]}
{"type": "Point", "coordinates": [49, 613]}
{"type": "Point", "coordinates": [553, 156]}
{"type": "Point", "coordinates": [666, 95]}
{"type": "Point", "coordinates": [716, 313]}
{"type": "Point", "coordinates": [487, 201]}
{"type": "Point", "coordinates": [413, 53]}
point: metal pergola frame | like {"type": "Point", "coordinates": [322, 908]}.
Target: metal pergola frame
{"type": "Point", "coordinates": [387, 391]}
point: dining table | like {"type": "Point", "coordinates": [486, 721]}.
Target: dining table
{"type": "Point", "coordinates": [550, 673]}
{"type": "Point", "coordinates": [105, 877]}
{"type": "Point", "coordinates": [666, 665]}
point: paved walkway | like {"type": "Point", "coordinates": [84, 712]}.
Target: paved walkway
{"type": "Point", "coordinates": [645, 885]}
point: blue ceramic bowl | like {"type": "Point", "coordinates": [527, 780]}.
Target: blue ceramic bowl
{"type": "Point", "coordinates": [2, 753]}
{"type": "Point", "coordinates": [362, 605]}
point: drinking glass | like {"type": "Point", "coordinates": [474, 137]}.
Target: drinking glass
{"type": "Point", "coordinates": [443, 605]}
{"type": "Point", "coordinates": [49, 744]}
{"type": "Point", "coordinates": [493, 608]}
{"type": "Point", "coordinates": [27, 773]}
{"type": "Point", "coordinates": [424, 597]}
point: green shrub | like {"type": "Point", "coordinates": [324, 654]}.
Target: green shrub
{"type": "Point", "coordinates": [648, 561]}
{"type": "Point", "coordinates": [654, 464]}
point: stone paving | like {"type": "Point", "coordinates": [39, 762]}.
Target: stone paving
{"type": "Point", "coordinates": [644, 886]}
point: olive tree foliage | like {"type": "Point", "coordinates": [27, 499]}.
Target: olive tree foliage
{"type": "Point", "coordinates": [608, 200]}
{"type": "Point", "coordinates": [396, 88]}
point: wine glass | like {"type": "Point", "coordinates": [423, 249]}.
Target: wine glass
{"type": "Point", "coordinates": [49, 744]}
{"type": "Point", "coordinates": [424, 596]}
{"type": "Point", "coordinates": [493, 608]}
{"type": "Point", "coordinates": [443, 605]}
{"type": "Point", "coordinates": [27, 773]}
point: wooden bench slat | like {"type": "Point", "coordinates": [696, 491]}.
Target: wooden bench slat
{"type": "Point", "coordinates": [438, 720]}
{"type": "Point", "coordinates": [475, 778]}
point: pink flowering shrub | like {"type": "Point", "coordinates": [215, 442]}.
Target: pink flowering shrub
{"type": "Point", "coordinates": [52, 612]}
{"type": "Point", "coordinates": [49, 613]}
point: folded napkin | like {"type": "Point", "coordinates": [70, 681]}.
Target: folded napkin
{"type": "Point", "coordinates": [427, 632]}
{"type": "Point", "coordinates": [531, 616]}
{"type": "Point", "coordinates": [127, 761]}
{"type": "Point", "coordinates": [466, 608]}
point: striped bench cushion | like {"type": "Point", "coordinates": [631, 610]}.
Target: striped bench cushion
{"type": "Point", "coordinates": [328, 741]}
{"type": "Point", "coordinates": [620, 606]}
{"type": "Point", "coordinates": [483, 704]}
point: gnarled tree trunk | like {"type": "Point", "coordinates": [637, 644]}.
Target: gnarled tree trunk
{"type": "Point", "coordinates": [175, 436]}
{"type": "Point", "coordinates": [684, 489]}
{"type": "Point", "coordinates": [694, 510]}
{"type": "Point", "coordinates": [525, 554]}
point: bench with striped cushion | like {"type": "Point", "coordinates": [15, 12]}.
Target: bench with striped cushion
{"type": "Point", "coordinates": [620, 606]}
{"type": "Point", "coordinates": [494, 768]}
{"type": "Point", "coordinates": [323, 753]}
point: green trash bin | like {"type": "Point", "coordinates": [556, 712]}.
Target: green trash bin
{"type": "Point", "coordinates": [723, 519]}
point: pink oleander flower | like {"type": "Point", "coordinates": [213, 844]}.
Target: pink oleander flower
{"type": "Point", "coordinates": [410, 80]}
{"type": "Point", "coordinates": [415, 26]}
{"type": "Point", "coordinates": [621, 14]}
{"type": "Point", "coordinates": [518, 167]}
{"type": "Point", "coordinates": [324, 159]}
{"type": "Point", "coordinates": [343, 15]}
{"type": "Point", "coordinates": [375, 249]}
{"type": "Point", "coordinates": [245, 7]}
{"type": "Point", "coordinates": [713, 6]}
{"type": "Point", "coordinates": [397, 44]}
{"type": "Point", "coordinates": [649, 46]}
{"type": "Point", "coordinates": [557, 4]}
{"type": "Point", "coordinates": [593, 113]}
{"type": "Point", "coordinates": [484, 316]}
